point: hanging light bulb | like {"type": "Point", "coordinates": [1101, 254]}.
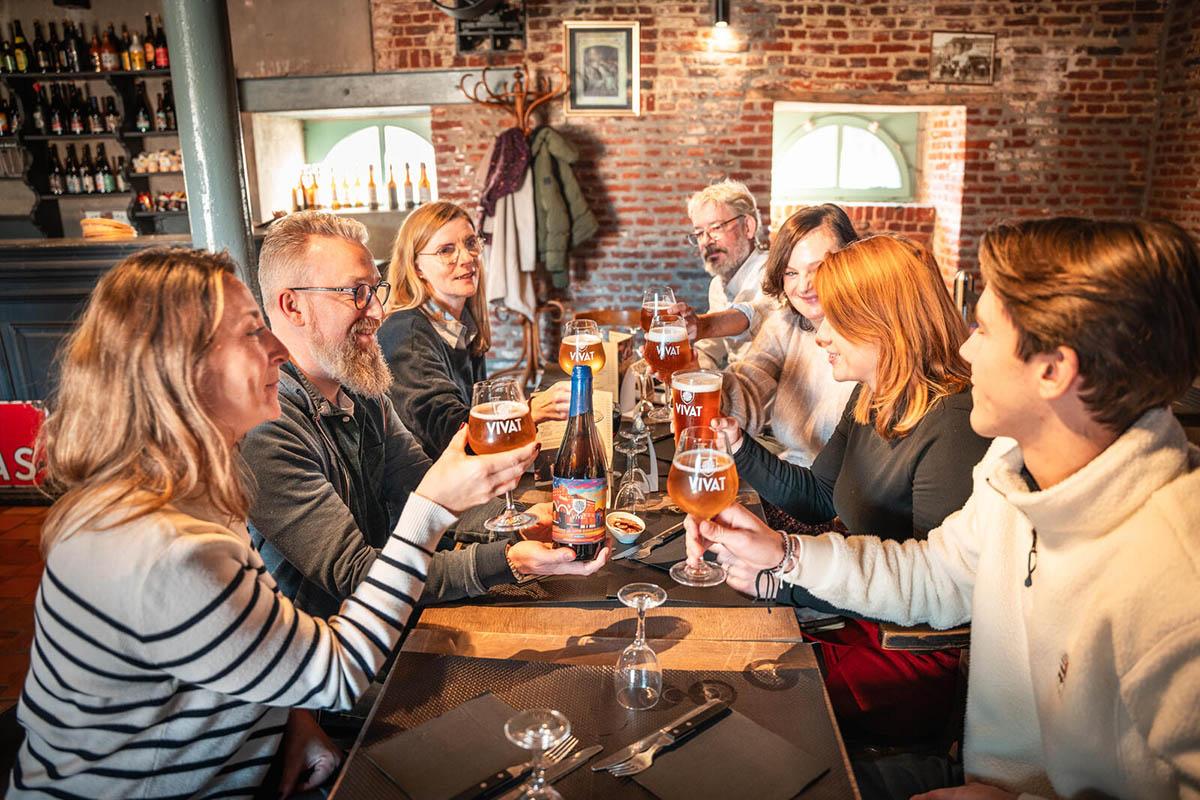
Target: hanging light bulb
{"type": "Point", "coordinates": [721, 13]}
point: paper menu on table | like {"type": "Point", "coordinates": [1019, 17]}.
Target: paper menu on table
{"type": "Point", "coordinates": [550, 434]}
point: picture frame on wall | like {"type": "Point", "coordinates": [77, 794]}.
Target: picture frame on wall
{"type": "Point", "coordinates": [602, 60]}
{"type": "Point", "coordinates": [958, 57]}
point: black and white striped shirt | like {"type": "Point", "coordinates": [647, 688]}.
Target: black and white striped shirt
{"type": "Point", "coordinates": [165, 660]}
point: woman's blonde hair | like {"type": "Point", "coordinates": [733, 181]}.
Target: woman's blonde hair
{"type": "Point", "coordinates": [409, 290]}
{"type": "Point", "coordinates": [887, 291]}
{"type": "Point", "coordinates": [127, 432]}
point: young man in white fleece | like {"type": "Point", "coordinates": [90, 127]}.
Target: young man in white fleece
{"type": "Point", "coordinates": [1077, 557]}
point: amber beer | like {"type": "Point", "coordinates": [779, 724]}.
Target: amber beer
{"type": "Point", "coordinates": [650, 311]}
{"type": "Point", "coordinates": [499, 426]}
{"type": "Point", "coordinates": [703, 482]}
{"type": "Point", "coordinates": [667, 347]}
{"type": "Point", "coordinates": [581, 348]}
{"type": "Point", "coordinates": [695, 399]}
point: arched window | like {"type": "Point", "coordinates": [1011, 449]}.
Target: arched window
{"type": "Point", "coordinates": [841, 157]}
{"type": "Point", "coordinates": [347, 148]}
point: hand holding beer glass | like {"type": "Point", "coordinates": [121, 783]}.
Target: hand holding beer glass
{"type": "Point", "coordinates": [500, 421]}
{"type": "Point", "coordinates": [581, 344]}
{"type": "Point", "coordinates": [703, 482]}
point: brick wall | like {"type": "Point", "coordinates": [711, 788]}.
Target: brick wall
{"type": "Point", "coordinates": [1065, 126]}
{"type": "Point", "coordinates": [943, 146]}
{"type": "Point", "coordinates": [1175, 177]}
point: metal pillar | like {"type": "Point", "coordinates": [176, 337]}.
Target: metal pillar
{"type": "Point", "coordinates": [210, 131]}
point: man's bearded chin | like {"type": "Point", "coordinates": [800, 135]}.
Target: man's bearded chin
{"type": "Point", "coordinates": [725, 265]}
{"type": "Point", "coordinates": [361, 369]}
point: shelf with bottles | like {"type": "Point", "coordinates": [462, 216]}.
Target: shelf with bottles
{"type": "Point", "coordinates": [74, 55]}
{"type": "Point", "coordinates": [158, 214]}
{"type": "Point", "coordinates": [163, 173]}
{"type": "Point", "coordinates": [147, 134]}
{"type": "Point", "coordinates": [82, 196]}
{"type": "Point", "coordinates": [60, 77]}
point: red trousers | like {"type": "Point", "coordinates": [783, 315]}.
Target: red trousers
{"type": "Point", "coordinates": [886, 695]}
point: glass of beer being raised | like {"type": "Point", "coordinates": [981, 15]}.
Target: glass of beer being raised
{"type": "Point", "coordinates": [499, 421]}
{"type": "Point", "coordinates": [703, 482]}
{"type": "Point", "coordinates": [656, 300]}
{"type": "Point", "coordinates": [695, 399]}
{"type": "Point", "coordinates": [581, 344]}
{"type": "Point", "coordinates": [667, 347]}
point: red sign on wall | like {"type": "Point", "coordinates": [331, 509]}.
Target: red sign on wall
{"type": "Point", "coordinates": [19, 423]}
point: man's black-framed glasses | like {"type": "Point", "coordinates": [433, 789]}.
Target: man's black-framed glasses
{"type": "Point", "coordinates": [448, 252]}
{"type": "Point", "coordinates": [710, 231]}
{"type": "Point", "coordinates": [362, 293]}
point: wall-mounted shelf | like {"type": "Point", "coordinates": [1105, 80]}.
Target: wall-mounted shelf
{"type": "Point", "coordinates": [65, 137]}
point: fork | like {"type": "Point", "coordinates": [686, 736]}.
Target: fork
{"type": "Point", "coordinates": [638, 762]}
{"type": "Point", "coordinates": [561, 750]}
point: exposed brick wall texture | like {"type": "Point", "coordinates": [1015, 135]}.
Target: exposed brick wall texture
{"type": "Point", "coordinates": [942, 146]}
{"type": "Point", "coordinates": [1175, 178]}
{"type": "Point", "coordinates": [1066, 126]}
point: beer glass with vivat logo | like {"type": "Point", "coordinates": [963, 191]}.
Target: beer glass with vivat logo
{"type": "Point", "coordinates": [581, 344]}
{"type": "Point", "coordinates": [695, 399]}
{"type": "Point", "coordinates": [703, 482]}
{"type": "Point", "coordinates": [667, 347]}
{"type": "Point", "coordinates": [500, 421]}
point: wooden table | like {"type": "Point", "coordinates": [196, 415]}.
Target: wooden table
{"type": "Point", "coordinates": [748, 642]}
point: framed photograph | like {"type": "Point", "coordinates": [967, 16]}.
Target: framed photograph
{"type": "Point", "coordinates": [602, 61]}
{"type": "Point", "coordinates": [959, 57]}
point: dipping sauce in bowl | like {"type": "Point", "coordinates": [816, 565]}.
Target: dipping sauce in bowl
{"type": "Point", "coordinates": [625, 527]}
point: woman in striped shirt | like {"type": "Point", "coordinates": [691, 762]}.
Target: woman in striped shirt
{"type": "Point", "coordinates": [164, 660]}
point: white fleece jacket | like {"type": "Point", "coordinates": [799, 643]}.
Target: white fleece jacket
{"type": "Point", "coordinates": [1087, 680]}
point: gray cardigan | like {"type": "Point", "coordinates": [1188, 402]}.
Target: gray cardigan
{"type": "Point", "coordinates": [308, 504]}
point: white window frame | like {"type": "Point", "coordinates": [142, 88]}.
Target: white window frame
{"type": "Point", "coordinates": [904, 194]}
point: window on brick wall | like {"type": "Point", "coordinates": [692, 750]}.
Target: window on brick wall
{"type": "Point", "coordinates": [348, 148]}
{"type": "Point", "coordinates": [844, 157]}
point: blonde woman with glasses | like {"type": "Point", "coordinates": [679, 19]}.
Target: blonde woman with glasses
{"type": "Point", "coordinates": [437, 334]}
{"type": "Point", "coordinates": [165, 660]}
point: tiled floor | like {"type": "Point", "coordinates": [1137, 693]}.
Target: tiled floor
{"type": "Point", "coordinates": [20, 571]}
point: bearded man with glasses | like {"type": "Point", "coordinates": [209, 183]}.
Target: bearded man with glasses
{"type": "Point", "coordinates": [725, 225]}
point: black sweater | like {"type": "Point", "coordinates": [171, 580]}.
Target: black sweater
{"type": "Point", "coordinates": [894, 489]}
{"type": "Point", "coordinates": [432, 387]}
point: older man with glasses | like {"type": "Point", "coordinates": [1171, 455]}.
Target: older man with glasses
{"type": "Point", "coordinates": [725, 225]}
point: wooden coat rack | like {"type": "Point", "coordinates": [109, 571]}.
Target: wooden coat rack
{"type": "Point", "coordinates": [520, 100]}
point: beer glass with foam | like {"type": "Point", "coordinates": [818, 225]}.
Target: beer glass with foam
{"type": "Point", "coordinates": [703, 482]}
{"type": "Point", "coordinates": [500, 421]}
{"type": "Point", "coordinates": [695, 399]}
{"type": "Point", "coordinates": [667, 347]}
{"type": "Point", "coordinates": [581, 344]}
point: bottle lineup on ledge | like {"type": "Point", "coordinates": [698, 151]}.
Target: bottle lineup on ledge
{"type": "Point", "coordinates": [75, 51]}
{"type": "Point", "coordinates": [83, 175]}
{"type": "Point", "coordinates": [579, 491]}
{"type": "Point", "coordinates": [319, 187]}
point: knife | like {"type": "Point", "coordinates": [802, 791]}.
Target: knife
{"type": "Point", "coordinates": [559, 770]}
{"type": "Point", "coordinates": [494, 782]}
{"type": "Point", "coordinates": [651, 543]}
{"type": "Point", "coordinates": [675, 728]}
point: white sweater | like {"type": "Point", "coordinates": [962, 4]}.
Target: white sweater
{"type": "Point", "coordinates": [165, 659]}
{"type": "Point", "coordinates": [1087, 680]}
{"type": "Point", "coordinates": [784, 379]}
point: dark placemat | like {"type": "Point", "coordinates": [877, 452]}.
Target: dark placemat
{"type": "Point", "coordinates": [788, 702]}
{"type": "Point", "coordinates": [733, 757]}
{"type": "Point", "coordinates": [445, 755]}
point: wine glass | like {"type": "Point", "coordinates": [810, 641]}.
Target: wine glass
{"type": "Point", "coordinates": [656, 299]}
{"type": "Point", "coordinates": [500, 421]}
{"type": "Point", "coordinates": [581, 344]}
{"type": "Point", "coordinates": [538, 730]}
{"type": "Point", "coordinates": [639, 675]}
{"type": "Point", "coordinates": [703, 482]}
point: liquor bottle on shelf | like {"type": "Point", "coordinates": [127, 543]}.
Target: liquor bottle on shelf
{"type": "Point", "coordinates": [106, 182]}
{"type": "Point", "coordinates": [6, 127]}
{"type": "Point", "coordinates": [95, 120]}
{"type": "Point", "coordinates": [94, 62]}
{"type": "Point", "coordinates": [21, 51]}
{"type": "Point", "coordinates": [57, 179]}
{"type": "Point", "coordinates": [109, 60]}
{"type": "Point", "coordinates": [162, 58]}
{"type": "Point", "coordinates": [426, 192]}
{"type": "Point", "coordinates": [580, 476]}
{"type": "Point", "coordinates": [141, 110]}
{"type": "Point", "coordinates": [121, 177]}
{"type": "Point", "coordinates": [137, 54]}
{"type": "Point", "coordinates": [168, 104]}
{"type": "Point", "coordinates": [300, 195]}
{"type": "Point", "coordinates": [8, 59]}
{"type": "Point", "coordinates": [87, 172]}
{"type": "Point", "coordinates": [41, 51]}
{"type": "Point", "coordinates": [310, 193]}
{"type": "Point", "coordinates": [57, 121]}
{"type": "Point", "coordinates": [148, 43]}
{"type": "Point", "coordinates": [73, 182]}
{"type": "Point", "coordinates": [409, 201]}
{"type": "Point", "coordinates": [78, 113]}
{"type": "Point", "coordinates": [160, 114]}
{"type": "Point", "coordinates": [124, 44]}
{"type": "Point", "coordinates": [347, 200]}
{"type": "Point", "coordinates": [334, 203]}
{"type": "Point", "coordinates": [372, 189]}
{"type": "Point", "coordinates": [57, 61]}
{"type": "Point", "coordinates": [393, 199]}
{"type": "Point", "coordinates": [358, 194]}
{"type": "Point", "coordinates": [40, 116]}
{"type": "Point", "coordinates": [73, 48]}
{"type": "Point", "coordinates": [112, 120]}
